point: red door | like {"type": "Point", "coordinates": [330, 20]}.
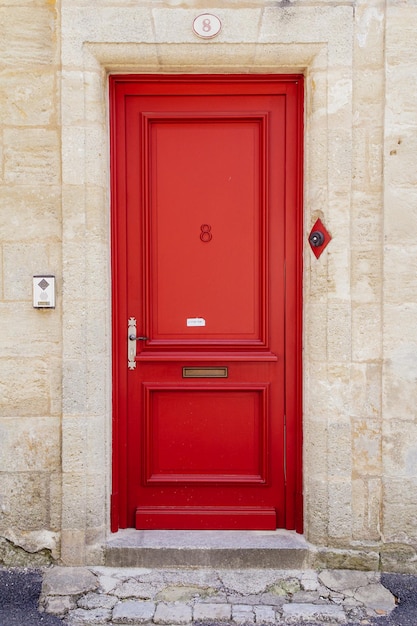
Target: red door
{"type": "Point", "coordinates": [206, 297]}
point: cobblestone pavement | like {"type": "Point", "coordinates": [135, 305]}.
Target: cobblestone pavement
{"type": "Point", "coordinates": [110, 596]}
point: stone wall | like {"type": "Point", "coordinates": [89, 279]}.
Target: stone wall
{"type": "Point", "coordinates": [360, 445]}
{"type": "Point", "coordinates": [399, 343]}
{"type": "Point", "coordinates": [30, 243]}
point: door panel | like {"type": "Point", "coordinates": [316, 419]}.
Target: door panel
{"type": "Point", "coordinates": [205, 180]}
{"type": "Point", "coordinates": [189, 441]}
{"type": "Point", "coordinates": [206, 261]}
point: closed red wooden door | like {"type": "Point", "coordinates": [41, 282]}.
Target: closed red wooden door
{"type": "Point", "coordinates": [206, 188]}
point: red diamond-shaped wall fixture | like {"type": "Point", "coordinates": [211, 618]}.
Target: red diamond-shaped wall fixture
{"type": "Point", "coordinates": [318, 238]}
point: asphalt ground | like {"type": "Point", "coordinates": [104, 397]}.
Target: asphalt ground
{"type": "Point", "coordinates": [403, 587]}
{"type": "Point", "coordinates": [20, 589]}
{"type": "Point", "coordinates": [19, 594]}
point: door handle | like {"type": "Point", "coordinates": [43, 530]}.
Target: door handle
{"type": "Point", "coordinates": [131, 342]}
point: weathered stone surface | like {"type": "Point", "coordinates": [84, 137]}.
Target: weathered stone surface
{"type": "Point", "coordinates": [32, 209]}
{"type": "Point", "coordinates": [346, 559]}
{"type": "Point", "coordinates": [27, 36]}
{"type": "Point", "coordinates": [399, 557]}
{"type": "Point", "coordinates": [34, 541]}
{"type": "Point", "coordinates": [178, 613]}
{"type": "Point", "coordinates": [178, 593]}
{"type": "Point", "coordinates": [305, 596]}
{"type": "Point", "coordinates": [212, 612]}
{"type": "Point", "coordinates": [58, 605]}
{"type": "Point", "coordinates": [135, 589]}
{"type": "Point", "coordinates": [107, 583]}
{"type": "Point", "coordinates": [285, 587]}
{"type": "Point", "coordinates": [265, 614]}
{"type": "Point", "coordinates": [347, 581]}
{"type": "Point", "coordinates": [309, 581]}
{"type": "Point", "coordinates": [30, 156]}
{"type": "Point", "coordinates": [82, 616]}
{"type": "Point", "coordinates": [63, 581]}
{"type": "Point", "coordinates": [249, 581]}
{"type": "Point", "coordinates": [358, 595]}
{"type": "Point", "coordinates": [243, 613]}
{"type": "Point", "coordinates": [15, 556]}
{"type": "Point", "coordinates": [23, 391]}
{"type": "Point", "coordinates": [28, 95]}
{"type": "Point", "coordinates": [32, 441]}
{"type": "Point", "coordinates": [133, 612]}
{"type": "Point", "coordinates": [376, 597]}
{"type": "Point", "coordinates": [97, 601]}
{"type": "Point", "coordinates": [262, 598]}
{"type": "Point", "coordinates": [23, 509]}
{"type": "Point", "coordinates": [315, 612]}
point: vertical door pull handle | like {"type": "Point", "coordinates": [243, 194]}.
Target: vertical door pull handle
{"type": "Point", "coordinates": [131, 342]}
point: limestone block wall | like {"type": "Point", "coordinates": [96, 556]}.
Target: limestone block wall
{"type": "Point", "coordinates": [399, 449]}
{"type": "Point", "coordinates": [30, 243]}
{"type": "Point", "coordinates": [359, 59]}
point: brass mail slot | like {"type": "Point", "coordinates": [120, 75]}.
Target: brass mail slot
{"type": "Point", "coordinates": [204, 372]}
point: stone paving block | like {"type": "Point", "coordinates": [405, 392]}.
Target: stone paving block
{"type": "Point", "coordinates": [264, 614]}
{"type": "Point", "coordinates": [173, 614]}
{"type": "Point", "coordinates": [345, 581]}
{"type": "Point", "coordinates": [376, 597]}
{"type": "Point", "coordinates": [212, 612]}
{"type": "Point", "coordinates": [133, 612]}
{"type": "Point", "coordinates": [315, 612]}
{"type": "Point", "coordinates": [97, 601]}
{"type": "Point", "coordinates": [59, 605]}
{"type": "Point", "coordinates": [242, 613]}
{"type": "Point", "coordinates": [68, 581]}
{"type": "Point", "coordinates": [79, 617]}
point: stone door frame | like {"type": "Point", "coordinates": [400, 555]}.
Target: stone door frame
{"type": "Point", "coordinates": [97, 41]}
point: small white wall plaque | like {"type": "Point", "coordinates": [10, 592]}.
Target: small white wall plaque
{"type": "Point", "coordinates": [196, 321]}
{"type": "Point", "coordinates": [44, 291]}
{"type": "Point", "coordinates": [207, 25]}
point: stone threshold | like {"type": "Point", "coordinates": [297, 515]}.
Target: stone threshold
{"type": "Point", "coordinates": [278, 549]}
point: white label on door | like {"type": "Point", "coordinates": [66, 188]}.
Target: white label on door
{"type": "Point", "coordinates": [196, 321]}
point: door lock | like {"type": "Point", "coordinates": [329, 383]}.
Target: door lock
{"type": "Point", "coordinates": [316, 238]}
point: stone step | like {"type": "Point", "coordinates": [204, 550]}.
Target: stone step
{"type": "Point", "coordinates": [279, 549]}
